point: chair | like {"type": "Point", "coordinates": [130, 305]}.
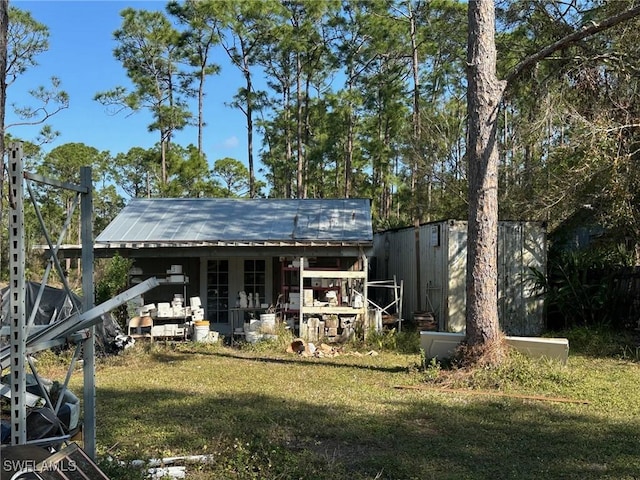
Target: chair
{"type": "Point", "coordinates": [140, 327]}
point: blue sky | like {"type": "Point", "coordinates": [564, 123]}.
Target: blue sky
{"type": "Point", "coordinates": [81, 55]}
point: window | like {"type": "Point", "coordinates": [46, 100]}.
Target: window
{"type": "Point", "coordinates": [255, 279]}
{"type": "Point", "coordinates": [218, 291]}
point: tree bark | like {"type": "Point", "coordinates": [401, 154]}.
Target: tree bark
{"type": "Point", "coordinates": [484, 94]}
{"type": "Point", "coordinates": [415, 119]}
{"type": "Point", "coordinates": [350, 134]}
{"type": "Point", "coordinates": [300, 168]}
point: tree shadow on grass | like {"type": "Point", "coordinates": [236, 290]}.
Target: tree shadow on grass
{"type": "Point", "coordinates": [311, 361]}
{"type": "Point", "coordinates": [413, 436]}
{"type": "Point", "coordinates": [171, 357]}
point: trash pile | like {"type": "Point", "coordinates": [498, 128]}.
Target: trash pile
{"type": "Point", "coordinates": [42, 420]}
{"type": "Point", "coordinates": [307, 349]}
{"type": "Point", "coordinates": [55, 305]}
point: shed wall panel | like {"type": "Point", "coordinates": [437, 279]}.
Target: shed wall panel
{"type": "Point", "coordinates": [435, 259]}
{"type": "Point", "coordinates": [442, 289]}
{"type": "Point", "coordinates": [395, 256]}
{"type": "Point", "coordinates": [457, 272]}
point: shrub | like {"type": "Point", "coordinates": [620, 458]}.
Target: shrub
{"type": "Point", "coordinates": [111, 281]}
{"type": "Point", "coordinates": [580, 288]}
{"type": "Point", "coordinates": [392, 340]}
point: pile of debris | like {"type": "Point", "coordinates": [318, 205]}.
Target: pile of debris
{"type": "Point", "coordinates": [308, 349]}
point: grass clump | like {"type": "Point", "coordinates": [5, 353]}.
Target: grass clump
{"type": "Point", "coordinates": [602, 341]}
{"type": "Point", "coordinates": [516, 373]}
{"type": "Point", "coordinates": [121, 470]}
{"type": "Point", "coordinates": [392, 340]}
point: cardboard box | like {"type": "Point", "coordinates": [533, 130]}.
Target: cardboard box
{"type": "Point", "coordinates": [331, 322]}
{"type": "Point", "coordinates": [308, 297]}
{"type": "Point", "coordinates": [164, 310]}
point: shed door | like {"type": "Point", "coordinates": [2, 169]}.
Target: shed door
{"type": "Point", "coordinates": [225, 278]}
{"type": "Point", "coordinates": [218, 291]}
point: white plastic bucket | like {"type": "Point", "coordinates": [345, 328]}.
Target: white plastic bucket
{"type": "Point", "coordinates": [269, 318]}
{"type": "Point", "coordinates": [200, 331]}
{"type": "Point", "coordinates": [252, 326]}
{"type": "Point", "coordinates": [268, 321]}
{"type": "Point", "coordinates": [253, 337]}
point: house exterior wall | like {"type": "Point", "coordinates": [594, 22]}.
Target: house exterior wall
{"type": "Point", "coordinates": [435, 280]}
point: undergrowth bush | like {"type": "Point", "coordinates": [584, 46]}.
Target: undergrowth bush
{"type": "Point", "coordinates": [281, 339]}
{"type": "Point", "coordinates": [516, 372]}
{"type": "Point", "coordinates": [391, 340]}
{"type": "Point", "coordinates": [112, 280]}
{"type": "Point", "coordinates": [602, 341]}
{"type": "Point", "coordinates": [581, 288]}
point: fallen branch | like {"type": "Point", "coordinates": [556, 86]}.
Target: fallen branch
{"type": "Point", "coordinates": [489, 393]}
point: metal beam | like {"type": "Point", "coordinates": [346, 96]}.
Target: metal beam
{"type": "Point", "coordinates": [88, 300]}
{"type": "Point", "coordinates": [18, 340]}
{"type": "Point", "coordinates": [79, 327]}
{"type": "Point", "coordinates": [56, 183]}
{"type": "Point", "coordinates": [77, 322]}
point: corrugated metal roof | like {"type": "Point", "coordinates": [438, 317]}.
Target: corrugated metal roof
{"type": "Point", "coordinates": [224, 221]}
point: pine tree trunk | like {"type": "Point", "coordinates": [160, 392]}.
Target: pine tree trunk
{"type": "Point", "coordinates": [483, 98]}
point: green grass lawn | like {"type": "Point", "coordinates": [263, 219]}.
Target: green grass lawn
{"type": "Point", "coordinates": [269, 415]}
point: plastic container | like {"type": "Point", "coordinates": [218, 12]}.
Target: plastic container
{"type": "Point", "coordinates": [200, 330]}
{"type": "Point", "coordinates": [253, 336]}
{"type": "Point", "coordinates": [268, 322]}
{"type": "Point", "coordinates": [252, 325]}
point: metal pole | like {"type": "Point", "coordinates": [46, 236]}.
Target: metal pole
{"type": "Point", "coordinates": [18, 342]}
{"type": "Point", "coordinates": [88, 300]}
{"type": "Point", "coordinates": [365, 288]}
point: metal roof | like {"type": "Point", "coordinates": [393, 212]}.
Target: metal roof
{"type": "Point", "coordinates": [249, 222]}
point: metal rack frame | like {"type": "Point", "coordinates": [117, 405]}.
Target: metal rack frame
{"type": "Point", "coordinates": [78, 328]}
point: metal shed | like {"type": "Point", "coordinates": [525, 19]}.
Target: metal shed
{"type": "Point", "coordinates": [431, 260]}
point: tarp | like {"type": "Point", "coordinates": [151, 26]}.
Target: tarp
{"type": "Point", "coordinates": [55, 305]}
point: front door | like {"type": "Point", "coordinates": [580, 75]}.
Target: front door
{"type": "Point", "coordinates": [218, 294]}
{"type": "Point", "coordinates": [224, 280]}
